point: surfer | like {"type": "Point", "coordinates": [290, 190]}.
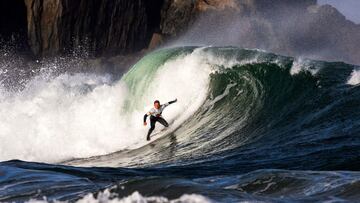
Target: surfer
{"type": "Point", "coordinates": [155, 116]}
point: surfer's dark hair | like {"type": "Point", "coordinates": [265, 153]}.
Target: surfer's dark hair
{"type": "Point", "coordinates": [156, 101]}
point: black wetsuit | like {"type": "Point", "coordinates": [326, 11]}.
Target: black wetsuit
{"type": "Point", "coordinates": [155, 116]}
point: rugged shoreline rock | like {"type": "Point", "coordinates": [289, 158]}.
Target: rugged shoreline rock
{"type": "Point", "coordinates": [106, 28]}
{"type": "Point", "coordinates": [101, 26]}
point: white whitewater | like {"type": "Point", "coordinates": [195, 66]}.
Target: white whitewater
{"type": "Point", "coordinates": [78, 116]}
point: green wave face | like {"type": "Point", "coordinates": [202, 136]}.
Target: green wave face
{"type": "Point", "coordinates": [142, 73]}
{"type": "Point", "coordinates": [250, 96]}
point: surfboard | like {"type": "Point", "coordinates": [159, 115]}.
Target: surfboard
{"type": "Point", "coordinates": [158, 132]}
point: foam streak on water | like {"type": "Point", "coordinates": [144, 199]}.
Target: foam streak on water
{"type": "Point", "coordinates": [107, 197]}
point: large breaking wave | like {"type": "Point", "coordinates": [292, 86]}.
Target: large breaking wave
{"type": "Point", "coordinates": [238, 111]}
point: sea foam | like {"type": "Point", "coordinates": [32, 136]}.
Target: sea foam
{"type": "Point", "coordinates": [354, 78]}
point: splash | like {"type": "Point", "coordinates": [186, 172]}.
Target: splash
{"type": "Point", "coordinates": [354, 78]}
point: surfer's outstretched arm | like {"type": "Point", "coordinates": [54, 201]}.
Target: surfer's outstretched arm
{"type": "Point", "coordinates": [170, 102]}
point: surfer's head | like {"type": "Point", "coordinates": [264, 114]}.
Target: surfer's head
{"type": "Point", "coordinates": [157, 104]}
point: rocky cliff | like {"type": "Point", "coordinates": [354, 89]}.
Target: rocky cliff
{"type": "Point", "coordinates": [112, 27]}
{"type": "Point", "coordinates": [99, 26]}
{"type": "Point", "coordinates": [108, 26]}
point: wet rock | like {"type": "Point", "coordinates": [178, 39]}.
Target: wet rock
{"type": "Point", "coordinates": [100, 26]}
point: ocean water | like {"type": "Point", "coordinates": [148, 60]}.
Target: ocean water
{"type": "Point", "coordinates": [249, 126]}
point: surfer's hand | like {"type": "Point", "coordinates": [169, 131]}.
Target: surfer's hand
{"type": "Point", "coordinates": [145, 123]}
{"type": "Point", "coordinates": [171, 102]}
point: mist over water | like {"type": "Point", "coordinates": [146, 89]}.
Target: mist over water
{"type": "Point", "coordinates": [350, 8]}
{"type": "Point", "coordinates": [291, 31]}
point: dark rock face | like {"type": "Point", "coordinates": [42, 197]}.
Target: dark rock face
{"type": "Point", "coordinates": [176, 16]}
{"type": "Point", "coordinates": [13, 22]}
{"type": "Point", "coordinates": [100, 26]}
{"type": "Point", "coordinates": [107, 27]}
{"type": "Point", "coordinates": [113, 27]}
